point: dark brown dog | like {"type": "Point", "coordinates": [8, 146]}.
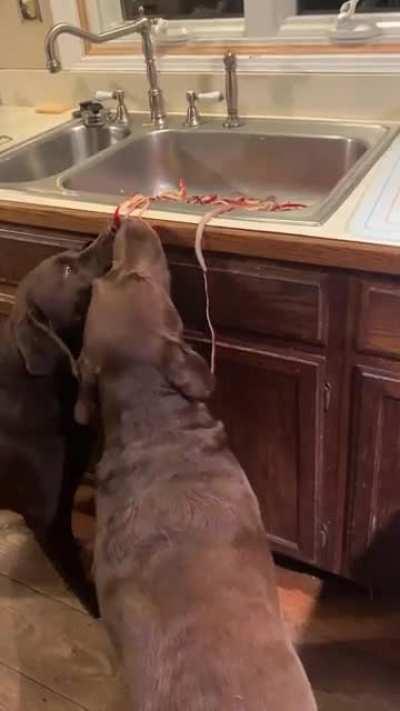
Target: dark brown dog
{"type": "Point", "coordinates": [43, 452]}
{"type": "Point", "coordinates": [183, 572]}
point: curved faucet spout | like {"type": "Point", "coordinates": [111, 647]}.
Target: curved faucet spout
{"type": "Point", "coordinates": [128, 28]}
{"type": "Point", "coordinates": [142, 26]}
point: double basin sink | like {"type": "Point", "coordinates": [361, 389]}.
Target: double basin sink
{"type": "Point", "coordinates": [317, 163]}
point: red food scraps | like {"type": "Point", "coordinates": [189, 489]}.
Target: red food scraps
{"type": "Point", "coordinates": [139, 202]}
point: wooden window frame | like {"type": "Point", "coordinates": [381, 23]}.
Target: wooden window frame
{"type": "Point", "coordinates": [255, 56]}
{"type": "Point", "coordinates": [240, 47]}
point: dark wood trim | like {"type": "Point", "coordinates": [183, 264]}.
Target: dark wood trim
{"type": "Point", "coordinates": [318, 251]}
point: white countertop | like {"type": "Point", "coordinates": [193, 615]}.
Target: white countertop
{"type": "Point", "coordinates": [370, 214]}
{"type": "Point", "coordinates": [22, 122]}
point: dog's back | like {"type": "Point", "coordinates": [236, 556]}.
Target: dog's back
{"type": "Point", "coordinates": [183, 570]}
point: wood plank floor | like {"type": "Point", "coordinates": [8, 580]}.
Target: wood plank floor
{"type": "Point", "coordinates": [54, 657]}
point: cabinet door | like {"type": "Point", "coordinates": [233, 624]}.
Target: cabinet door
{"type": "Point", "coordinates": [373, 543]}
{"type": "Point", "coordinates": [270, 404]}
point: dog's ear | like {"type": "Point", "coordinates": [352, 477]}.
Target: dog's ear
{"type": "Point", "coordinates": [39, 345]}
{"type": "Point", "coordinates": [187, 371]}
{"type": "Point", "coordinates": [85, 406]}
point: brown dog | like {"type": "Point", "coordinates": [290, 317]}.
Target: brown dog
{"type": "Point", "coordinates": [183, 572]}
{"type": "Point", "coordinates": [43, 452]}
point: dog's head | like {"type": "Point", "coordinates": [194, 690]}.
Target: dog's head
{"type": "Point", "coordinates": [132, 320]}
{"type": "Point", "coordinates": [52, 302]}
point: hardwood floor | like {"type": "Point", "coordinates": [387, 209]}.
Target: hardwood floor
{"type": "Point", "coordinates": [54, 657]}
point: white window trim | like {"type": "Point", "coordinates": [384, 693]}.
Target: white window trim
{"type": "Point", "coordinates": [315, 29]}
{"type": "Point", "coordinates": [261, 19]}
{"type": "Point", "coordinates": [295, 29]}
{"type": "Point", "coordinates": [101, 18]}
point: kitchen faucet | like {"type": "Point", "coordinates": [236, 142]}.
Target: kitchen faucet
{"type": "Point", "coordinates": [143, 25]}
{"type": "Point", "coordinates": [231, 87]}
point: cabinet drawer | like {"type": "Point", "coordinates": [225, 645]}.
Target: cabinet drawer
{"type": "Point", "coordinates": [252, 296]}
{"type": "Point", "coordinates": [379, 323]}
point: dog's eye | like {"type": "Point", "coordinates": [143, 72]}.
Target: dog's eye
{"type": "Point", "coordinates": [67, 271]}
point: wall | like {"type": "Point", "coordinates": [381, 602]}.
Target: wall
{"type": "Point", "coordinates": [21, 43]}
{"type": "Point", "coordinates": [349, 96]}
{"type": "Point", "coordinates": [374, 97]}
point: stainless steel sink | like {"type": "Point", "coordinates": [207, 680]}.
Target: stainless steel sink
{"type": "Point", "coordinates": [314, 162]}
{"type": "Point", "coordinates": [304, 168]}
{"type": "Point", "coordinates": [55, 151]}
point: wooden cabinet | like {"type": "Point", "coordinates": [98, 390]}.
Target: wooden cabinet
{"type": "Point", "coordinates": [308, 386]}
{"type": "Point", "coordinates": [373, 537]}
{"type": "Point", "coordinates": [253, 297]}
{"type": "Point", "coordinates": [279, 332]}
{"type": "Point", "coordinates": [379, 323]}
{"type": "Point", "coordinates": [271, 404]}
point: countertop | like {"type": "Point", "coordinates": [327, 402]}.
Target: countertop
{"type": "Point", "coordinates": [363, 233]}
{"type": "Point", "coordinates": [22, 122]}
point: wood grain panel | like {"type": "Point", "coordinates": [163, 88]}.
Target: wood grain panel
{"type": "Point", "coordinates": [48, 642]}
{"type": "Point", "coordinates": [271, 406]}
{"type": "Point", "coordinates": [55, 646]}
{"type": "Point", "coordinates": [22, 560]}
{"type": "Point", "coordinates": [374, 526]}
{"type": "Point", "coordinates": [250, 296]}
{"type": "Point", "coordinates": [379, 326]}
{"type": "Point", "coordinates": [19, 693]}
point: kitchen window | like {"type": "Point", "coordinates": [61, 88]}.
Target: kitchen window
{"type": "Point", "coordinates": [184, 9]}
{"type": "Point", "coordinates": [205, 9]}
{"type": "Point", "coordinates": [271, 35]}
{"type": "Point", "coordinates": [282, 21]}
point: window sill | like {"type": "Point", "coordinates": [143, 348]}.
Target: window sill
{"type": "Point", "coordinates": [254, 60]}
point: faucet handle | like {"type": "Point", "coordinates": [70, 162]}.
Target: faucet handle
{"type": "Point", "coordinates": [210, 96]}
{"type": "Point", "coordinates": [192, 116]}
{"type": "Point", "coordinates": [103, 95]}
{"type": "Point", "coordinates": [121, 115]}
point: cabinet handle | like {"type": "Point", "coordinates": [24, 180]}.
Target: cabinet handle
{"type": "Point", "coordinates": [327, 396]}
{"type": "Point", "coordinates": [324, 531]}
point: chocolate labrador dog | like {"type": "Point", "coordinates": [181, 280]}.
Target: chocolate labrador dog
{"type": "Point", "coordinates": [43, 452]}
{"type": "Point", "coordinates": [184, 576]}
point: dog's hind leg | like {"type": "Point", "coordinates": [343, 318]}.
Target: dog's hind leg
{"type": "Point", "coordinates": [56, 537]}
{"type": "Point", "coordinates": [62, 549]}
